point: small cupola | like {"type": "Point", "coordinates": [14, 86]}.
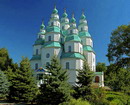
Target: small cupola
{"type": "Point", "coordinates": [83, 19]}
{"type": "Point", "coordinates": [73, 21]}
{"type": "Point", "coordinates": [64, 18]}
{"type": "Point", "coordinates": [55, 11]}
{"type": "Point", "coordinates": [54, 20]}
{"type": "Point", "coordinates": [83, 23]}
{"type": "Point", "coordinates": [42, 31]}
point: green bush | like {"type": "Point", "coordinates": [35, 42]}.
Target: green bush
{"type": "Point", "coordinates": [76, 102]}
{"type": "Point", "coordinates": [117, 98]}
{"type": "Point", "coordinates": [100, 97]}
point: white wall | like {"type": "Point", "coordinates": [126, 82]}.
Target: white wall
{"type": "Point", "coordinates": [33, 62]}
{"type": "Point", "coordinates": [66, 26]}
{"type": "Point", "coordinates": [74, 64]}
{"type": "Point", "coordinates": [87, 41]}
{"type": "Point", "coordinates": [36, 47]}
{"type": "Point", "coordinates": [41, 36]}
{"type": "Point", "coordinates": [85, 28]}
{"type": "Point", "coordinates": [51, 51]}
{"type": "Point", "coordinates": [54, 37]}
{"type": "Point", "coordinates": [83, 21]}
{"type": "Point", "coordinates": [72, 76]}
{"type": "Point", "coordinates": [55, 23]}
{"type": "Point", "coordinates": [65, 19]}
{"type": "Point", "coordinates": [55, 16]}
{"type": "Point", "coordinates": [91, 59]}
{"type": "Point", "coordinates": [75, 47]}
{"type": "Point", "coordinates": [74, 31]}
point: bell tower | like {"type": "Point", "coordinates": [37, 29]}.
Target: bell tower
{"type": "Point", "coordinates": [52, 39]}
{"type": "Point", "coordinates": [87, 42]}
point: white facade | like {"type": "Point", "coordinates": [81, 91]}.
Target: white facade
{"type": "Point", "coordinates": [47, 54]}
{"type": "Point", "coordinates": [71, 45]}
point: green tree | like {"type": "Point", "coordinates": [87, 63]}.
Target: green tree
{"type": "Point", "coordinates": [6, 64]}
{"type": "Point", "coordinates": [83, 88]}
{"type": "Point", "coordinates": [118, 79]}
{"type": "Point", "coordinates": [4, 85]}
{"type": "Point", "coordinates": [119, 47]}
{"type": "Point", "coordinates": [55, 88]}
{"type": "Point", "coordinates": [23, 86]}
{"type": "Point", "coordinates": [9, 73]}
{"type": "Point", "coordinates": [101, 67]}
{"type": "Point", "coordinates": [100, 96]}
{"type": "Point", "coordinates": [5, 60]}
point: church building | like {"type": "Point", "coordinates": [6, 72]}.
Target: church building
{"type": "Point", "coordinates": [71, 43]}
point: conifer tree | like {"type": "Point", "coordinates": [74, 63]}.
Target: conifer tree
{"type": "Point", "coordinates": [23, 87]}
{"type": "Point", "coordinates": [4, 85]}
{"type": "Point", "coordinates": [55, 88]}
{"type": "Point", "coordinates": [84, 82]}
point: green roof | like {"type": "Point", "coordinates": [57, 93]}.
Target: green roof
{"type": "Point", "coordinates": [64, 32]}
{"type": "Point", "coordinates": [84, 34]}
{"type": "Point", "coordinates": [83, 23]}
{"type": "Point", "coordinates": [73, 38]}
{"type": "Point", "coordinates": [36, 57]}
{"type": "Point", "coordinates": [83, 16]}
{"type": "Point", "coordinates": [53, 29]}
{"type": "Point", "coordinates": [72, 55]}
{"type": "Point", "coordinates": [55, 11]}
{"type": "Point", "coordinates": [39, 41]}
{"type": "Point", "coordinates": [41, 33]}
{"type": "Point", "coordinates": [52, 44]}
{"type": "Point", "coordinates": [73, 20]}
{"type": "Point", "coordinates": [64, 15]}
{"type": "Point", "coordinates": [42, 26]}
{"type": "Point", "coordinates": [87, 48]}
{"type": "Point", "coordinates": [98, 73]}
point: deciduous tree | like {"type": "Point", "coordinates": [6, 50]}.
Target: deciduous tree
{"type": "Point", "coordinates": [119, 47]}
{"type": "Point", "coordinates": [101, 67]}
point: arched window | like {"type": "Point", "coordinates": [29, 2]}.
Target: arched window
{"type": "Point", "coordinates": [36, 51]}
{"type": "Point", "coordinates": [62, 27]}
{"type": "Point", "coordinates": [61, 40]}
{"type": "Point", "coordinates": [36, 66]}
{"type": "Point", "coordinates": [71, 31]}
{"type": "Point", "coordinates": [52, 24]}
{"type": "Point", "coordinates": [47, 55]}
{"type": "Point", "coordinates": [47, 63]}
{"type": "Point", "coordinates": [81, 28]}
{"type": "Point", "coordinates": [97, 79]}
{"type": "Point", "coordinates": [67, 65]}
{"type": "Point", "coordinates": [49, 38]}
{"type": "Point", "coordinates": [69, 48]}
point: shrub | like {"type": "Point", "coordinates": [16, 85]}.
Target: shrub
{"type": "Point", "coordinates": [76, 102]}
{"type": "Point", "coordinates": [117, 98]}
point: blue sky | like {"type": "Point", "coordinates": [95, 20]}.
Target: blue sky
{"type": "Point", "coordinates": [20, 21]}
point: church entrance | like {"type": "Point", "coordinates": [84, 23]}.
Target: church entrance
{"type": "Point", "coordinates": [97, 79]}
